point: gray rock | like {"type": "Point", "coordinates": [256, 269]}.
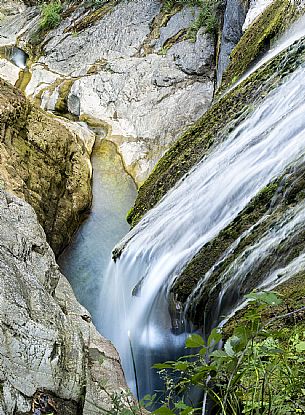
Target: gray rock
{"type": "Point", "coordinates": [15, 19]}
{"type": "Point", "coordinates": [181, 20]}
{"type": "Point", "coordinates": [47, 342]}
{"type": "Point", "coordinates": [146, 101]}
{"type": "Point", "coordinates": [234, 18]}
{"type": "Point", "coordinates": [119, 34]}
{"type": "Point", "coordinates": [194, 58]}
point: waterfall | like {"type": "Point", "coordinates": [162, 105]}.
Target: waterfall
{"type": "Point", "coordinates": [294, 33]}
{"type": "Point", "coordinates": [19, 57]}
{"type": "Point", "coordinates": [249, 262]}
{"type": "Point", "coordinates": [133, 305]}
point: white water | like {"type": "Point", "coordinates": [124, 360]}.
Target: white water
{"type": "Point", "coordinates": [19, 58]}
{"type": "Point", "coordinates": [295, 32]}
{"type": "Point", "coordinates": [202, 204]}
{"type": "Point", "coordinates": [249, 261]}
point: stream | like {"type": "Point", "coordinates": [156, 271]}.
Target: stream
{"type": "Point", "coordinates": [85, 260]}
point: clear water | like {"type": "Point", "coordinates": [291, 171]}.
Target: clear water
{"type": "Point", "coordinates": [85, 260]}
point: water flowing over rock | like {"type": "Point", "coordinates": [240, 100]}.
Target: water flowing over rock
{"type": "Point", "coordinates": [235, 168]}
{"type": "Point", "coordinates": [256, 7]}
{"type": "Point", "coordinates": [50, 353]}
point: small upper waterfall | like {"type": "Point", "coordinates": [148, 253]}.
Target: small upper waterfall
{"type": "Point", "coordinates": [135, 316]}
{"type": "Point", "coordinates": [16, 55]}
{"type": "Point", "coordinates": [295, 32]}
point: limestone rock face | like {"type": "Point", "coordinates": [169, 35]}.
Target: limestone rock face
{"type": "Point", "coordinates": [15, 19]}
{"type": "Point", "coordinates": [132, 67]}
{"type": "Point", "coordinates": [49, 349]}
{"type": "Point", "coordinates": [45, 162]}
{"type": "Point", "coordinates": [8, 71]}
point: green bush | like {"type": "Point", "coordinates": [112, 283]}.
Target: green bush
{"type": "Point", "coordinates": [50, 15]}
{"type": "Point", "coordinates": [260, 370]}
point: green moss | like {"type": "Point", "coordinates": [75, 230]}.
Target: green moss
{"type": "Point", "coordinates": [213, 250]}
{"type": "Point", "coordinates": [129, 215]}
{"type": "Point", "coordinates": [213, 127]}
{"type": "Point", "coordinates": [273, 21]}
{"type": "Point", "coordinates": [178, 37]}
{"type": "Point", "coordinates": [23, 79]}
{"type": "Point", "coordinates": [61, 105]}
{"type": "Point", "coordinates": [158, 22]}
{"type": "Point", "coordinates": [292, 292]}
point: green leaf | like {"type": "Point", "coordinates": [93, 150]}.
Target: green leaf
{"type": "Point", "coordinates": [229, 346]}
{"type": "Point", "coordinates": [181, 405]}
{"type": "Point", "coordinates": [203, 351]}
{"type": "Point", "coordinates": [182, 366]}
{"type": "Point", "coordinates": [266, 297]}
{"type": "Point", "coordinates": [163, 411]}
{"type": "Point", "coordinates": [219, 354]}
{"type": "Point", "coordinates": [300, 347]}
{"type": "Point", "coordinates": [214, 337]}
{"type": "Point", "coordinates": [166, 365]}
{"type": "Point", "coordinates": [194, 341]}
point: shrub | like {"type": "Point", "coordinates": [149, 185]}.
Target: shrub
{"type": "Point", "coordinates": [259, 371]}
{"type": "Point", "coordinates": [50, 15]}
{"type": "Point", "coordinates": [207, 18]}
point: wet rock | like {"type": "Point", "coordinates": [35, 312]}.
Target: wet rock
{"type": "Point", "coordinates": [194, 58]}
{"type": "Point", "coordinates": [8, 71]}
{"type": "Point", "coordinates": [114, 81]}
{"type": "Point", "coordinates": [130, 95]}
{"type": "Point", "coordinates": [15, 20]}
{"type": "Point", "coordinates": [181, 20]}
{"type": "Point", "coordinates": [46, 359]}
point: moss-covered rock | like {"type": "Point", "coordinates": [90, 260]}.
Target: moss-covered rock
{"type": "Point", "coordinates": [213, 127]}
{"type": "Point", "coordinates": [257, 38]}
{"type": "Point", "coordinates": [45, 163]}
{"type": "Point", "coordinates": [288, 315]}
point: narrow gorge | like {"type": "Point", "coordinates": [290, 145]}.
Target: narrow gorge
{"type": "Point", "coordinates": [152, 188]}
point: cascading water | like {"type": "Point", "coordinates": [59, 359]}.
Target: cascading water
{"type": "Point", "coordinates": [135, 316]}
{"type": "Point", "coordinates": [251, 260]}
{"type": "Point", "coordinates": [19, 57]}
{"type": "Point", "coordinates": [294, 33]}
{"type": "Point", "coordinates": [16, 55]}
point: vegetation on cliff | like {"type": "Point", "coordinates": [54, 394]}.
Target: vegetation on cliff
{"type": "Point", "coordinates": [259, 370]}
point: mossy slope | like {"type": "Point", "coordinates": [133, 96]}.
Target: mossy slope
{"type": "Point", "coordinates": [260, 215]}
{"type": "Point", "coordinates": [257, 38]}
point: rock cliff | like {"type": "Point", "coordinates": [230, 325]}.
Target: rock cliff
{"type": "Point", "coordinates": [129, 64]}
{"type": "Point", "coordinates": [50, 353]}
{"type": "Point", "coordinates": [45, 162]}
